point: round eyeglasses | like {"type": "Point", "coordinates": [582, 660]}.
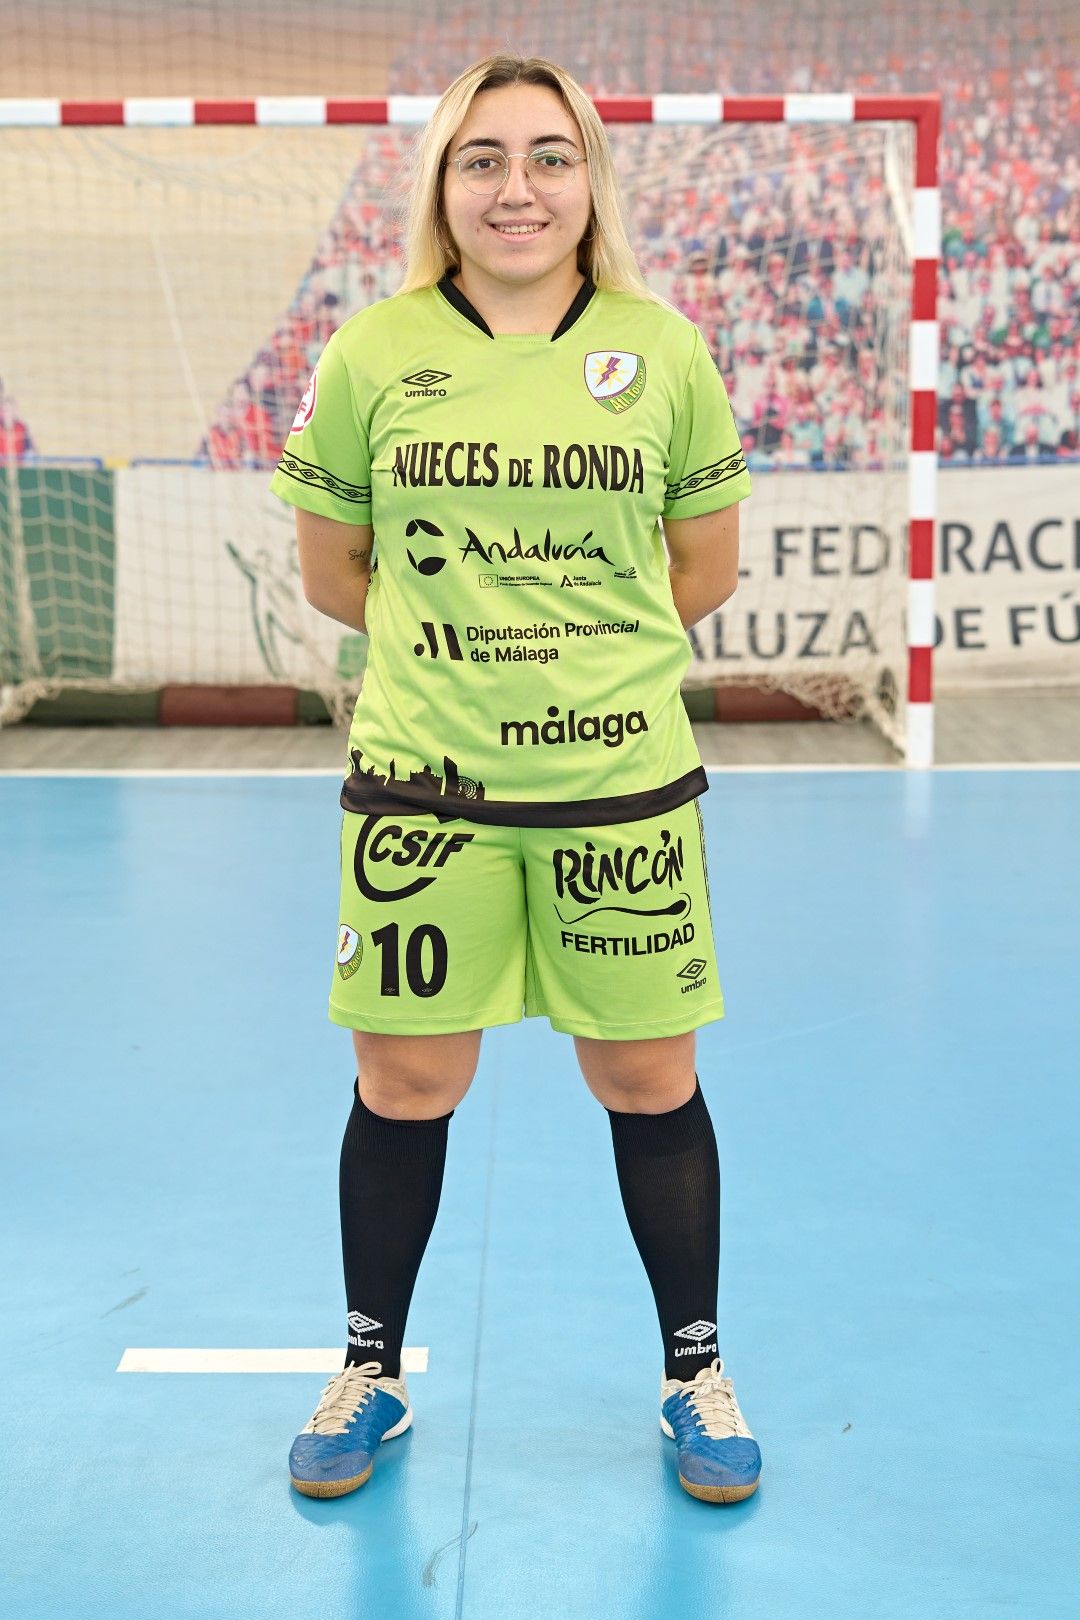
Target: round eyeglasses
{"type": "Point", "coordinates": [487, 169]}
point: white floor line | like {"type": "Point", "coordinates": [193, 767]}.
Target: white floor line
{"type": "Point", "coordinates": [414, 1359]}
{"type": "Point", "coordinates": [1018, 765]}
{"type": "Point", "coordinates": [177, 771]}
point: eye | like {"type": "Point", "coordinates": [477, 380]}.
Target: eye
{"type": "Point", "coordinates": [482, 163]}
{"type": "Point", "coordinates": [557, 162]}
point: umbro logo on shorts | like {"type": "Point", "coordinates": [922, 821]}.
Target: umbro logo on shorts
{"type": "Point", "coordinates": [694, 974]}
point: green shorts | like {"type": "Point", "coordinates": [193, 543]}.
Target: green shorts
{"type": "Point", "coordinates": [455, 925]}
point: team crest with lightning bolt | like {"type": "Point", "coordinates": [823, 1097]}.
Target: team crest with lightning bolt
{"type": "Point", "coordinates": [615, 379]}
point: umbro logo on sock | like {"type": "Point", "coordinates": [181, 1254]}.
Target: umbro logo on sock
{"type": "Point", "coordinates": [693, 1330]}
{"type": "Point", "coordinates": [698, 1331]}
{"type": "Point", "coordinates": [359, 1324]}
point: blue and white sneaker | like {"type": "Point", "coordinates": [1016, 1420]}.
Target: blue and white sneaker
{"type": "Point", "coordinates": [719, 1460]}
{"type": "Point", "coordinates": [358, 1409]}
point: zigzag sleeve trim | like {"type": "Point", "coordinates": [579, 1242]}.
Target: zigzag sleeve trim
{"type": "Point", "coordinates": [717, 472]}
{"type": "Point", "coordinates": [315, 477]}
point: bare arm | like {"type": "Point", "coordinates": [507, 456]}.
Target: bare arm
{"type": "Point", "coordinates": [704, 569]}
{"type": "Point", "coordinates": [335, 566]}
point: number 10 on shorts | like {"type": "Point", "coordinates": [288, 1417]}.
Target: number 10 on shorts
{"type": "Point", "coordinates": [425, 958]}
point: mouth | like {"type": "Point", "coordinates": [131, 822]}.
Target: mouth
{"type": "Point", "coordinates": [519, 231]}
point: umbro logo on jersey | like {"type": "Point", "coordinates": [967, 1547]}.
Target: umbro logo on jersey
{"type": "Point", "coordinates": [615, 378]}
{"type": "Point", "coordinates": [426, 384]}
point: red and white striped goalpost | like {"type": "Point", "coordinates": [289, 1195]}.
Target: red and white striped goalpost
{"type": "Point", "coordinates": [924, 111]}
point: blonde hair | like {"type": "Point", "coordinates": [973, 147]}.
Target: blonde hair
{"type": "Point", "coordinates": [604, 253]}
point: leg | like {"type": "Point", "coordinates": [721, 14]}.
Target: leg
{"type": "Point", "coordinates": [431, 940]}
{"type": "Point", "coordinates": [415, 1076]}
{"type": "Point", "coordinates": [391, 1174]}
{"type": "Point", "coordinates": [639, 1077]}
{"type": "Point", "coordinates": [669, 1177]}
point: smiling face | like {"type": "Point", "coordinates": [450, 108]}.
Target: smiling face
{"type": "Point", "coordinates": [518, 235]}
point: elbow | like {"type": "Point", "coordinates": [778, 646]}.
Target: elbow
{"type": "Point", "coordinates": [725, 592]}
{"type": "Point", "coordinates": [321, 595]}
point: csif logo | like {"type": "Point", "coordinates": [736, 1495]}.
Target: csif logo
{"type": "Point", "coordinates": [425, 384]}
{"type": "Point", "coordinates": [386, 857]}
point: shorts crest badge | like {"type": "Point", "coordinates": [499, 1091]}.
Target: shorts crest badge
{"type": "Point", "coordinates": [350, 951]}
{"type": "Point", "coordinates": [615, 378]}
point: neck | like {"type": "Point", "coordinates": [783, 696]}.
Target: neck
{"type": "Point", "coordinates": [521, 311]}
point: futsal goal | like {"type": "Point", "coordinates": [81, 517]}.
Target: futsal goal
{"type": "Point", "coordinates": [172, 268]}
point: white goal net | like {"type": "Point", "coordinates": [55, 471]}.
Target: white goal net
{"type": "Point", "coordinates": [165, 292]}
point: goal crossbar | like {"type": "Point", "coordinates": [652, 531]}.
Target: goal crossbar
{"type": "Point", "coordinates": [923, 111]}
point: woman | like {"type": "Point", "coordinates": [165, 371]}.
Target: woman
{"type": "Point", "coordinates": [521, 820]}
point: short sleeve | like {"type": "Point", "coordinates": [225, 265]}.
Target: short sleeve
{"type": "Point", "coordinates": [706, 465]}
{"type": "Point", "coordinates": [325, 466]}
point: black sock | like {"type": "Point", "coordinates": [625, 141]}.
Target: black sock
{"type": "Point", "coordinates": [669, 1176]}
{"type": "Point", "coordinates": [390, 1182]}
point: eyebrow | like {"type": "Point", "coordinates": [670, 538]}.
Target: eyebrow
{"type": "Point", "coordinates": [537, 140]}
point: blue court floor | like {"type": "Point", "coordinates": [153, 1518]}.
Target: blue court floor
{"type": "Point", "coordinates": [896, 1098]}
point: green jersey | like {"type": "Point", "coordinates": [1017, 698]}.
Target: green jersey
{"type": "Point", "coordinates": [525, 656]}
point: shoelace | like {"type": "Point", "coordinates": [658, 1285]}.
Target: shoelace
{"type": "Point", "coordinates": [712, 1398]}
{"type": "Point", "coordinates": [343, 1398]}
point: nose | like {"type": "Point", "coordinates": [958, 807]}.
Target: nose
{"type": "Point", "coordinates": [517, 187]}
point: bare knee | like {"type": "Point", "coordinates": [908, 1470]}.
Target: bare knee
{"type": "Point", "coordinates": [415, 1076]}
{"type": "Point", "coordinates": [639, 1077]}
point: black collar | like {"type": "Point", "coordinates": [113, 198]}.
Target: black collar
{"type": "Point", "coordinates": [457, 298]}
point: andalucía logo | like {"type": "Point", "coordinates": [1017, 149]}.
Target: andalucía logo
{"type": "Point", "coordinates": [615, 379]}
